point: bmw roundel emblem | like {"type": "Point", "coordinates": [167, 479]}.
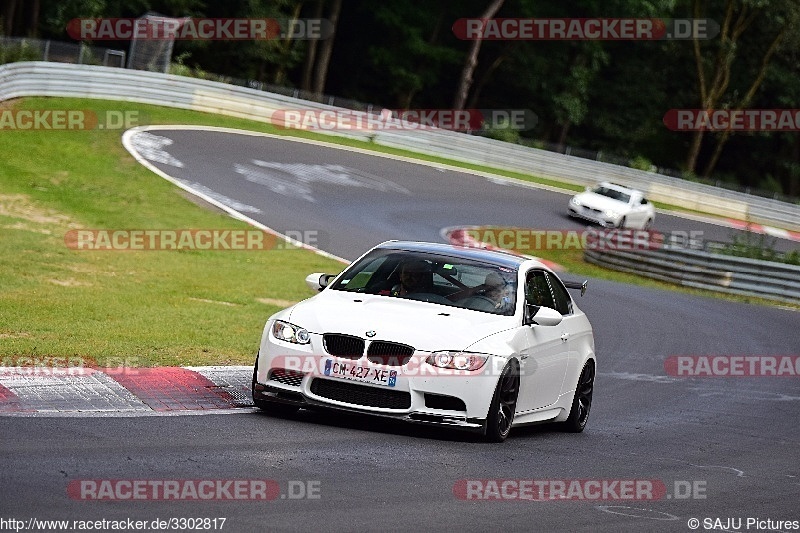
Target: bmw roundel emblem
{"type": "Point", "coordinates": [371, 333]}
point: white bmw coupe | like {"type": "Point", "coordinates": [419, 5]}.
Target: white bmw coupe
{"type": "Point", "coordinates": [435, 334]}
{"type": "Point", "coordinates": [613, 206]}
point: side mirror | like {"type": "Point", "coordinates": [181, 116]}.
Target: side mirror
{"type": "Point", "coordinates": [542, 316]}
{"type": "Point", "coordinates": [318, 281]}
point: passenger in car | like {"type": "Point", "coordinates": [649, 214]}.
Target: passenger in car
{"type": "Point", "coordinates": [497, 290]}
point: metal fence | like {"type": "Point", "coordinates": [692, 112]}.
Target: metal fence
{"type": "Point", "coordinates": [13, 49]}
{"type": "Point", "coordinates": [54, 79]}
{"type": "Point", "coordinates": [705, 270]}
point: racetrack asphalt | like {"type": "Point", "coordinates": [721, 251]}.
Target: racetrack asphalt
{"type": "Point", "coordinates": [734, 439]}
{"type": "Point", "coordinates": [352, 200]}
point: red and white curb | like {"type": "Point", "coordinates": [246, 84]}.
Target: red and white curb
{"type": "Point", "coordinates": [82, 391]}
{"type": "Point", "coordinates": [765, 230]}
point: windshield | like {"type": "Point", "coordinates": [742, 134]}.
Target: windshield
{"type": "Point", "coordinates": [612, 193]}
{"type": "Point", "coordinates": [438, 279]}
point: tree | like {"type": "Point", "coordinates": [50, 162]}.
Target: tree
{"type": "Point", "coordinates": [323, 62]}
{"type": "Point", "coordinates": [714, 68]}
{"type": "Point", "coordinates": [465, 81]}
{"type": "Point", "coordinates": [9, 15]}
{"type": "Point", "coordinates": [311, 52]}
{"type": "Point", "coordinates": [397, 54]}
{"type": "Point", "coordinates": [20, 18]}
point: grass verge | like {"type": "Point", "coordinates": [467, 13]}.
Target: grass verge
{"type": "Point", "coordinates": [146, 308]}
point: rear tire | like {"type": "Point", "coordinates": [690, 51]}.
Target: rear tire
{"type": "Point", "coordinates": [504, 404]}
{"type": "Point", "coordinates": [582, 401]}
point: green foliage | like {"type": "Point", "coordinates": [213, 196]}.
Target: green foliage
{"type": "Point", "coordinates": [758, 246]}
{"type": "Point", "coordinates": [180, 68]}
{"type": "Point", "coordinates": [508, 135]}
{"type": "Point", "coordinates": [11, 52]}
{"type": "Point", "coordinates": [770, 184]}
{"type": "Point", "coordinates": [642, 163]}
{"type": "Point", "coordinates": [412, 49]}
{"type": "Point", "coordinates": [751, 245]}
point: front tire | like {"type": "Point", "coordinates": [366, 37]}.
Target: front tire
{"type": "Point", "coordinates": [582, 402]}
{"type": "Point", "coordinates": [504, 404]}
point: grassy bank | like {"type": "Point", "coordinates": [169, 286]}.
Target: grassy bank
{"type": "Point", "coordinates": [145, 307]}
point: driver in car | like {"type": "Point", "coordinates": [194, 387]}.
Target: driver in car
{"type": "Point", "coordinates": [415, 277]}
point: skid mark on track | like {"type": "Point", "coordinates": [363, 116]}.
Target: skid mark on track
{"type": "Point", "coordinates": [636, 512]}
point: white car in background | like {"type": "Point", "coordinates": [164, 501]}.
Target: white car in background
{"type": "Point", "coordinates": [613, 206]}
{"type": "Point", "coordinates": [436, 334]}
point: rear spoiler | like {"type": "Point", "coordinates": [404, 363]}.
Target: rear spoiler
{"type": "Point", "coordinates": [577, 285]}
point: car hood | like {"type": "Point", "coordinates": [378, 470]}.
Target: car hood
{"type": "Point", "coordinates": [598, 201]}
{"type": "Point", "coordinates": [425, 326]}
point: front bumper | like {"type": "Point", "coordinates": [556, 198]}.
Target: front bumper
{"type": "Point", "coordinates": [296, 375]}
{"type": "Point", "coordinates": [281, 394]}
{"type": "Point", "coordinates": [594, 215]}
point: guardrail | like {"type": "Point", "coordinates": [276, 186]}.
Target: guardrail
{"type": "Point", "coordinates": [87, 81]}
{"type": "Point", "coordinates": [704, 270]}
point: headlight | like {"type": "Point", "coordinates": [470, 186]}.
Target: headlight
{"type": "Point", "coordinates": [611, 214]}
{"type": "Point", "coordinates": [457, 360]}
{"type": "Point", "coordinates": [575, 201]}
{"type": "Point", "coordinates": [290, 333]}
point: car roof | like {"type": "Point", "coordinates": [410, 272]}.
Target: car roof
{"type": "Point", "coordinates": [495, 257]}
{"type": "Point", "coordinates": [621, 188]}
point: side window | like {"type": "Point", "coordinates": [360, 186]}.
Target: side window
{"type": "Point", "coordinates": [537, 290]}
{"type": "Point", "coordinates": [563, 301]}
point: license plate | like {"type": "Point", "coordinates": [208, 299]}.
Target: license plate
{"type": "Point", "coordinates": [364, 374]}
